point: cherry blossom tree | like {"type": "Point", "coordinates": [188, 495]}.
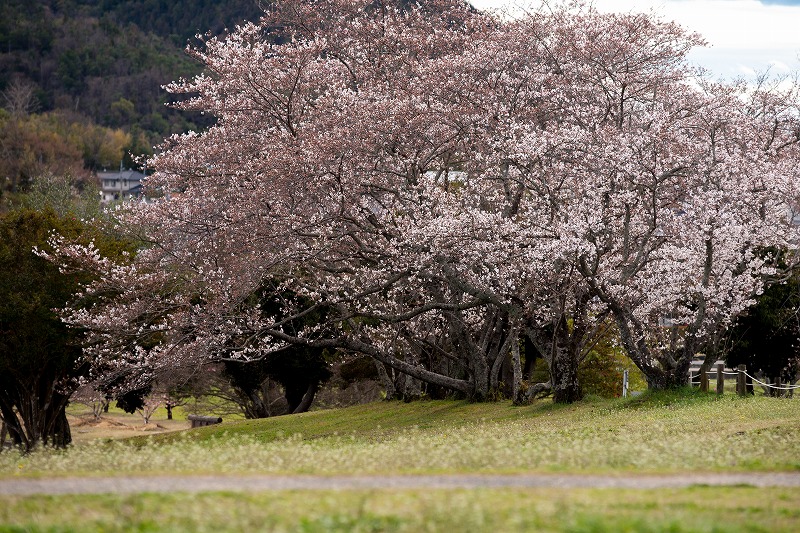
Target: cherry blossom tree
{"type": "Point", "coordinates": [692, 262]}
{"type": "Point", "coordinates": [97, 401]}
{"type": "Point", "coordinates": [438, 182]}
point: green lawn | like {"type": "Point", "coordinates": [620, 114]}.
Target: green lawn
{"type": "Point", "coordinates": [700, 509]}
{"type": "Point", "coordinates": [677, 432]}
{"type": "Point", "coordinates": [656, 433]}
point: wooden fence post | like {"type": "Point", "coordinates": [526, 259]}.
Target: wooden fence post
{"type": "Point", "coordinates": [778, 391]}
{"type": "Point", "coordinates": [720, 378]}
{"type": "Point", "coordinates": [741, 382]}
{"type": "Point", "coordinates": [703, 380]}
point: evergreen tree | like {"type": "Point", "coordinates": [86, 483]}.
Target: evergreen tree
{"type": "Point", "coordinates": [767, 338]}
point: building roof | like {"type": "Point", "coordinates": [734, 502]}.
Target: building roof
{"type": "Point", "coordinates": [130, 175]}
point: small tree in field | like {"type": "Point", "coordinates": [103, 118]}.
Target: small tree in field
{"type": "Point", "coordinates": [92, 398]}
{"type": "Point", "coordinates": [149, 406]}
{"type": "Point", "coordinates": [442, 182]}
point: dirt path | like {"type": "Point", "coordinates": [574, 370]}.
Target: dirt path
{"type": "Point", "coordinates": [127, 485]}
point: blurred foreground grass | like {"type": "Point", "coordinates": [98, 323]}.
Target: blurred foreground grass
{"type": "Point", "coordinates": [700, 509]}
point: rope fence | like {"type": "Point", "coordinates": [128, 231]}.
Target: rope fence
{"type": "Point", "coordinates": [790, 387]}
{"type": "Point", "coordinates": [742, 383]}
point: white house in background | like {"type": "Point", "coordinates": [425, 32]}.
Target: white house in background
{"type": "Point", "coordinates": [120, 185]}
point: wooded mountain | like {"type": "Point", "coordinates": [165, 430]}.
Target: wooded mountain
{"type": "Point", "coordinates": [105, 61]}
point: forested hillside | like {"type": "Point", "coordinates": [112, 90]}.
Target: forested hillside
{"type": "Point", "coordinates": [178, 20]}
{"type": "Point", "coordinates": [72, 66]}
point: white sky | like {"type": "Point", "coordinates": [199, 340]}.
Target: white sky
{"type": "Point", "coordinates": [745, 36]}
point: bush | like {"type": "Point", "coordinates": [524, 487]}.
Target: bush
{"type": "Point", "coordinates": [600, 372]}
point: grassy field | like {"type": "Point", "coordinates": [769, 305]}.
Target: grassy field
{"type": "Point", "coordinates": [117, 424]}
{"type": "Point", "coordinates": [697, 509]}
{"type": "Point", "coordinates": [676, 432]}
{"type": "Point", "coordinates": [661, 433]}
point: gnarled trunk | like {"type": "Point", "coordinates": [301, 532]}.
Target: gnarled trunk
{"type": "Point", "coordinates": [564, 375]}
{"type": "Point", "coordinates": [668, 370]}
{"type": "Point", "coordinates": [36, 424]}
{"type": "Point", "coordinates": [561, 346]}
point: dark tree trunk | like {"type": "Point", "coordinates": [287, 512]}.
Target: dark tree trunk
{"type": "Point", "coordinates": [661, 371]}
{"type": "Point", "coordinates": [308, 398]}
{"type": "Point", "coordinates": [659, 379]}
{"type": "Point", "coordinates": [294, 393]}
{"type": "Point", "coordinates": [255, 407]}
{"type": "Point", "coordinates": [560, 347]}
{"type": "Point", "coordinates": [12, 425]}
{"type": "Point", "coordinates": [564, 376]}
{"type": "Point", "coordinates": [496, 346]}
{"type": "Point", "coordinates": [61, 436]}
{"type": "Point", "coordinates": [35, 426]}
{"type": "Point", "coordinates": [708, 361]}
{"type": "Point", "coordinates": [386, 381]}
{"type": "Point", "coordinates": [516, 372]}
{"type": "Point", "coordinates": [531, 353]}
{"type": "Point", "coordinates": [670, 375]}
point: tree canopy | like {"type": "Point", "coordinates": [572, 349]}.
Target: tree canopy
{"type": "Point", "coordinates": [40, 356]}
{"type": "Point", "coordinates": [445, 182]}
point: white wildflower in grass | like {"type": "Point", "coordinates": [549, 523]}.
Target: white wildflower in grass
{"type": "Point", "coordinates": [688, 434]}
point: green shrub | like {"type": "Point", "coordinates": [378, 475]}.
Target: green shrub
{"type": "Point", "coordinates": [601, 371]}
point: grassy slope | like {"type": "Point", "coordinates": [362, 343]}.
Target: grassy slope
{"type": "Point", "coordinates": [670, 432]}
{"type": "Point", "coordinates": [688, 411]}
{"type": "Point", "coordinates": [660, 433]}
{"type": "Point", "coordinates": [370, 421]}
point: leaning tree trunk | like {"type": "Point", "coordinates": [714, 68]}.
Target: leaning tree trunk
{"type": "Point", "coordinates": [708, 361]}
{"type": "Point", "coordinates": [402, 366]}
{"type": "Point", "coordinates": [308, 398]}
{"type": "Point", "coordinates": [12, 425]}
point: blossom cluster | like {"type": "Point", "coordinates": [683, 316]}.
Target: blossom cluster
{"type": "Point", "coordinates": [441, 181]}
